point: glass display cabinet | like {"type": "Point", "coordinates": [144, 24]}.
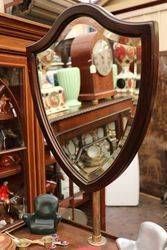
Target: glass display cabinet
{"type": "Point", "coordinates": [93, 81]}
{"type": "Point", "coordinates": [13, 153]}
{"type": "Point", "coordinates": [17, 122]}
{"type": "Point", "coordinates": [12, 190]}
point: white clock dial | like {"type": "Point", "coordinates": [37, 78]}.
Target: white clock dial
{"type": "Point", "coordinates": [102, 57]}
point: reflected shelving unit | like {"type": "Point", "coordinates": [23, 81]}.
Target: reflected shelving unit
{"type": "Point", "coordinates": [73, 197]}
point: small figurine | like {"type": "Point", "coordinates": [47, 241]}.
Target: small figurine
{"type": "Point", "coordinates": [45, 219]}
{"type": "Point", "coordinates": [5, 198]}
{"type": "Point", "coordinates": [45, 59]}
{"type": "Point", "coordinates": [5, 108]}
{"type": "Point", "coordinates": [5, 193]}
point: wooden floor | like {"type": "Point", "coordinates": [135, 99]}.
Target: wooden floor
{"type": "Point", "coordinates": [125, 221]}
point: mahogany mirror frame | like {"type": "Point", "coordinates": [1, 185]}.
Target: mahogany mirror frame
{"type": "Point", "coordinates": [148, 32]}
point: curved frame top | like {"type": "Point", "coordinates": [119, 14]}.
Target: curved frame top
{"type": "Point", "coordinates": [148, 32]}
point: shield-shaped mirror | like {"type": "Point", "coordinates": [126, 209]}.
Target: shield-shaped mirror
{"type": "Point", "coordinates": [93, 81]}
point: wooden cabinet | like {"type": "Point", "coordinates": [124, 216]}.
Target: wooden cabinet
{"type": "Point", "coordinates": [15, 35]}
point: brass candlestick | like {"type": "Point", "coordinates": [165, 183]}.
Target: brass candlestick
{"type": "Point", "coordinates": [96, 239]}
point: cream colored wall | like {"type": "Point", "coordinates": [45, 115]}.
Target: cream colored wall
{"type": "Point", "coordinates": [157, 13]}
{"type": "Point", "coordinates": [1, 6]}
{"type": "Point", "coordinates": [114, 5]}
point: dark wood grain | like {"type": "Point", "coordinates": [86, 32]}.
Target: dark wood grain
{"type": "Point", "coordinates": [21, 28]}
{"type": "Point", "coordinates": [77, 238]}
{"type": "Point", "coordinates": [9, 171]}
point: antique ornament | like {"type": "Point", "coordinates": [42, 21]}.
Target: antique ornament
{"type": "Point", "coordinates": [95, 63]}
{"type": "Point", "coordinates": [53, 99]}
{"type": "Point", "coordinates": [45, 219]}
{"type": "Point", "coordinates": [69, 80]}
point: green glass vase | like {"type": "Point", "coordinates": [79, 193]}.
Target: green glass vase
{"type": "Point", "coordinates": [69, 79]}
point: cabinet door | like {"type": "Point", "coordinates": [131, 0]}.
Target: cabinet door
{"type": "Point", "coordinates": [17, 150]}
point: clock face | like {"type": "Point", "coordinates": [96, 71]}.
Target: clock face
{"type": "Point", "coordinates": [102, 57]}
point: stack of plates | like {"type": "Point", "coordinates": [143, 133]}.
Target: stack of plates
{"type": "Point", "coordinates": [6, 243]}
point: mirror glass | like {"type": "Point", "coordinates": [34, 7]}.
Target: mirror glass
{"type": "Point", "coordinates": [90, 82]}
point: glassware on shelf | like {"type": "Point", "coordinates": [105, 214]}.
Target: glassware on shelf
{"type": "Point", "coordinates": [69, 79]}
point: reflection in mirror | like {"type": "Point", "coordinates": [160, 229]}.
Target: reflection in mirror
{"type": "Point", "coordinates": [90, 81]}
{"type": "Point", "coordinates": [71, 197]}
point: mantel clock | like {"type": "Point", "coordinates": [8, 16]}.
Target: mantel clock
{"type": "Point", "coordinates": [93, 55]}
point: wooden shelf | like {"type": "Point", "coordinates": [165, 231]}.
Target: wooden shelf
{"type": "Point", "coordinates": [87, 107]}
{"type": "Point", "coordinates": [9, 171]}
{"type": "Point", "coordinates": [12, 227]}
{"type": "Point", "coordinates": [7, 118]}
{"type": "Point", "coordinates": [13, 150]}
